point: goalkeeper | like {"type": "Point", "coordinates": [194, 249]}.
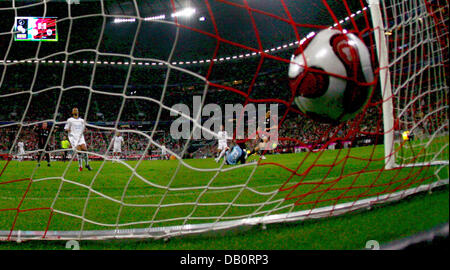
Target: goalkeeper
{"type": "Point", "coordinates": [65, 144]}
{"type": "Point", "coordinates": [235, 155]}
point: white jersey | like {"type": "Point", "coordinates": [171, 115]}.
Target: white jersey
{"type": "Point", "coordinates": [75, 126]}
{"type": "Point", "coordinates": [222, 137]}
{"type": "Point", "coordinates": [21, 147]}
{"type": "Point", "coordinates": [117, 141]}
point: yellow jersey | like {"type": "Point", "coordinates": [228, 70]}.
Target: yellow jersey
{"type": "Point", "coordinates": [65, 144]}
{"type": "Point", "coordinates": [405, 135]}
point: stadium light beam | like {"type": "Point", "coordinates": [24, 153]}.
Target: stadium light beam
{"type": "Point", "coordinates": [159, 17]}
{"type": "Point", "coordinates": [121, 20]}
{"type": "Point", "coordinates": [187, 12]}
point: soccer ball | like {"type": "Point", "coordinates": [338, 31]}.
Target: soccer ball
{"type": "Point", "coordinates": [330, 75]}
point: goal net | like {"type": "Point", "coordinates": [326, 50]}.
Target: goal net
{"type": "Point", "coordinates": [147, 70]}
{"type": "Point", "coordinates": [416, 60]}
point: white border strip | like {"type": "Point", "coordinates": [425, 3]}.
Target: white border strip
{"type": "Point", "coordinates": [167, 232]}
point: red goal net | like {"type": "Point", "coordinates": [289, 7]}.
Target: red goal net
{"type": "Point", "coordinates": [359, 88]}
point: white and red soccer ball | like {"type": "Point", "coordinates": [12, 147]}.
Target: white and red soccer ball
{"type": "Point", "coordinates": [330, 76]}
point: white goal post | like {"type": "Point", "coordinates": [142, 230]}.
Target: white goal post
{"type": "Point", "coordinates": [385, 27]}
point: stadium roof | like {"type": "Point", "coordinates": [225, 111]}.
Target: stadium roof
{"type": "Point", "coordinates": [243, 27]}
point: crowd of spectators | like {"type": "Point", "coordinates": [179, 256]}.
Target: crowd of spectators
{"type": "Point", "coordinates": [295, 131]}
{"type": "Point", "coordinates": [138, 107]}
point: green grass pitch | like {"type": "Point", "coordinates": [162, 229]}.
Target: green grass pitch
{"type": "Point", "coordinates": [135, 194]}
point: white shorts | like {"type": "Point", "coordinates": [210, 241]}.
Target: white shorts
{"type": "Point", "coordinates": [262, 145]}
{"type": "Point", "coordinates": [76, 141]}
{"type": "Point", "coordinates": [21, 152]}
{"type": "Point", "coordinates": [263, 135]}
{"type": "Point", "coordinates": [117, 149]}
{"type": "Point", "coordinates": [269, 145]}
{"type": "Point", "coordinates": [222, 145]}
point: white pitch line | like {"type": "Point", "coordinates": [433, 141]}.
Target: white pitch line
{"type": "Point", "coordinates": [174, 195]}
{"type": "Point", "coordinates": [130, 196]}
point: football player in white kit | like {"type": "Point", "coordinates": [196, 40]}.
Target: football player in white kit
{"type": "Point", "coordinates": [222, 141]}
{"type": "Point", "coordinates": [164, 152]}
{"type": "Point", "coordinates": [117, 146]}
{"type": "Point", "coordinates": [75, 127]}
{"type": "Point", "coordinates": [20, 151]}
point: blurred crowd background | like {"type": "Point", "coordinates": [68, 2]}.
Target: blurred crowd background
{"type": "Point", "coordinates": [136, 106]}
